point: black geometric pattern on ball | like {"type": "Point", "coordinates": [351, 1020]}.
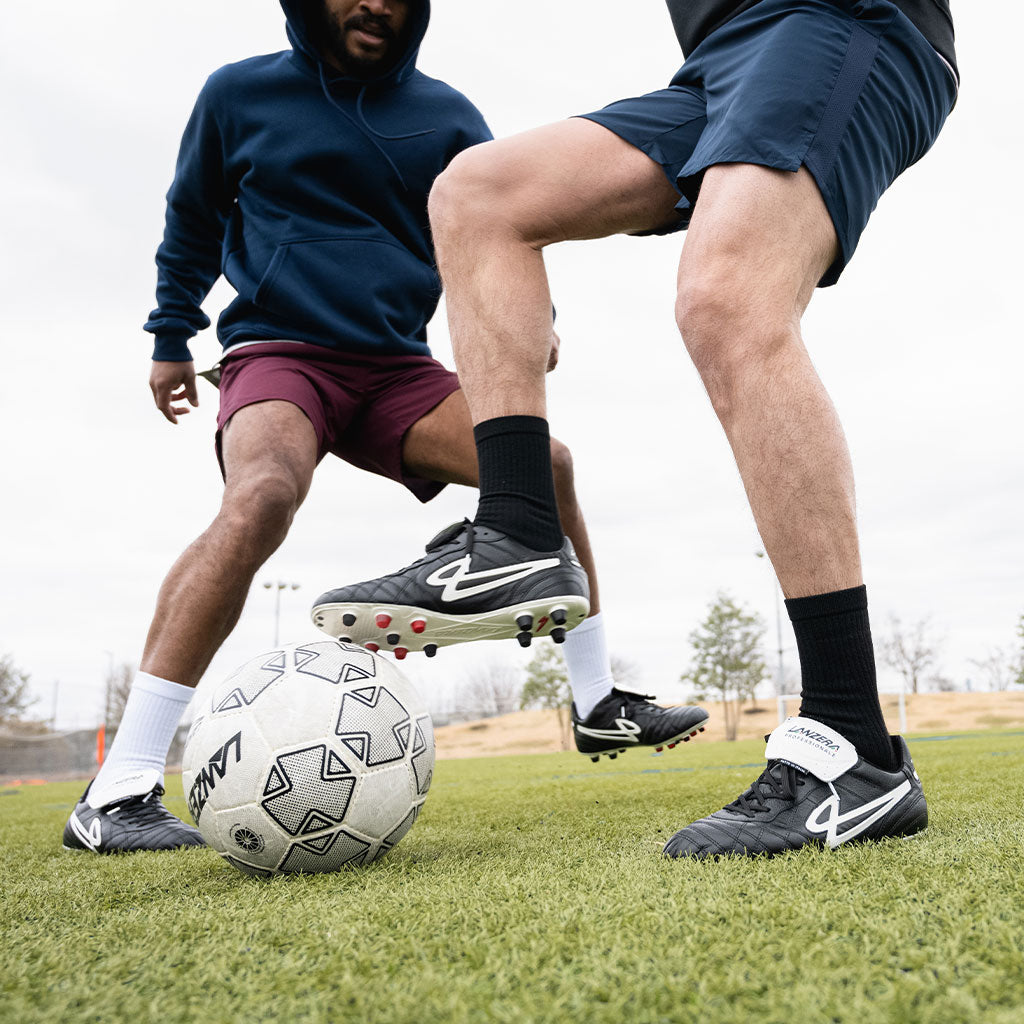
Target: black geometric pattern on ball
{"type": "Point", "coordinates": [404, 825]}
{"type": "Point", "coordinates": [335, 662]}
{"type": "Point", "coordinates": [248, 689]}
{"type": "Point", "coordinates": [325, 853]}
{"type": "Point", "coordinates": [374, 725]}
{"type": "Point", "coordinates": [308, 790]}
{"type": "Point", "coordinates": [423, 753]}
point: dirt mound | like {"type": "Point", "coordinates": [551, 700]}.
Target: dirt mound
{"type": "Point", "coordinates": [537, 732]}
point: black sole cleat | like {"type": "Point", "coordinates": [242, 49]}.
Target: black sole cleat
{"type": "Point", "coordinates": [558, 635]}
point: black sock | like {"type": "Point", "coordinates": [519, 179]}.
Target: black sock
{"type": "Point", "coordinates": [837, 662]}
{"type": "Point", "coordinates": [517, 489]}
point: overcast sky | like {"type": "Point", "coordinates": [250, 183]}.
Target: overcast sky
{"type": "Point", "coordinates": [920, 346]}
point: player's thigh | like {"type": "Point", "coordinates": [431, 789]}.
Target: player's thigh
{"type": "Point", "coordinates": [759, 241]}
{"type": "Point", "coordinates": [440, 446]}
{"type": "Point", "coordinates": [273, 441]}
{"type": "Point", "coordinates": [571, 180]}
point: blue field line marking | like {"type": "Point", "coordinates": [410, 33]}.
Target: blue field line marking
{"type": "Point", "coordinates": [959, 736]}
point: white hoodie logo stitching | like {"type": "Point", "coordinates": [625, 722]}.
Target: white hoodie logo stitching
{"type": "Point", "coordinates": [454, 573]}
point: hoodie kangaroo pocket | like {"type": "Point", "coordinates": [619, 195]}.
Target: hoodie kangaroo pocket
{"type": "Point", "coordinates": [358, 291]}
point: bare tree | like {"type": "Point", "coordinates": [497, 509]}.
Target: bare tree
{"type": "Point", "coordinates": [119, 684]}
{"type": "Point", "coordinates": [997, 668]}
{"type": "Point", "coordinates": [15, 698]}
{"type": "Point", "coordinates": [912, 651]}
{"type": "Point", "coordinates": [727, 662]}
{"type": "Point", "coordinates": [491, 689]}
{"type": "Point", "coordinates": [547, 686]}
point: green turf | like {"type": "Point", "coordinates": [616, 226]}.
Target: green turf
{"type": "Point", "coordinates": [531, 890]}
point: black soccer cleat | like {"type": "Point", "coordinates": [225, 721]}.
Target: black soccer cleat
{"type": "Point", "coordinates": [473, 584]}
{"type": "Point", "coordinates": [128, 824]}
{"type": "Point", "coordinates": [816, 791]}
{"type": "Point", "coordinates": [623, 720]}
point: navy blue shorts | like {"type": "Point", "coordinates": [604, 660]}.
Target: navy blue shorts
{"type": "Point", "coordinates": [849, 89]}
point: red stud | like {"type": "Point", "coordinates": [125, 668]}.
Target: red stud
{"type": "Point", "coordinates": [418, 625]}
{"type": "Point", "coordinates": [383, 621]}
{"type": "Point", "coordinates": [372, 647]}
{"type": "Point", "coordinates": [671, 745]}
{"type": "Point", "coordinates": [659, 749]}
{"type": "Point", "coordinates": [400, 653]}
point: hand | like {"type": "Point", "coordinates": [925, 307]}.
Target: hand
{"type": "Point", "coordinates": [553, 353]}
{"type": "Point", "coordinates": [164, 378]}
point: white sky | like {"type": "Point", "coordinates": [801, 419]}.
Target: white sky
{"type": "Point", "coordinates": [920, 345]}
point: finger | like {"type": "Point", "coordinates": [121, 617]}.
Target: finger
{"type": "Point", "coordinates": [180, 410]}
{"type": "Point", "coordinates": [191, 393]}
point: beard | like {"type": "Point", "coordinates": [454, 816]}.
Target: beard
{"type": "Point", "coordinates": [332, 37]}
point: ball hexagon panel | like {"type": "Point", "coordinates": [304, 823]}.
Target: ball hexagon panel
{"type": "Point", "coordinates": [423, 753]}
{"type": "Point", "coordinates": [335, 662]}
{"type": "Point", "coordinates": [325, 853]}
{"type": "Point", "coordinates": [244, 685]}
{"type": "Point", "coordinates": [308, 790]}
{"type": "Point", "coordinates": [374, 725]}
{"type": "Point", "coordinates": [246, 833]}
{"type": "Point", "coordinates": [382, 800]}
{"type": "Point", "coordinates": [222, 765]}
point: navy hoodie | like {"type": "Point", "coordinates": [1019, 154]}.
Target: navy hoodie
{"type": "Point", "coordinates": [308, 190]}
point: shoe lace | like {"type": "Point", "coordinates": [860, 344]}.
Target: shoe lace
{"type": "Point", "coordinates": [778, 780]}
{"type": "Point", "coordinates": [142, 810]}
{"type": "Point", "coordinates": [449, 533]}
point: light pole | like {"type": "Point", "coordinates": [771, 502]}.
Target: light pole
{"type": "Point", "coordinates": [277, 586]}
{"type": "Point", "coordinates": [780, 677]}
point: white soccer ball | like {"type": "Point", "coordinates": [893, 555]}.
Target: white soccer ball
{"type": "Point", "coordinates": [306, 758]}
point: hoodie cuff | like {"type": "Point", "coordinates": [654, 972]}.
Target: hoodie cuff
{"type": "Point", "coordinates": [172, 348]}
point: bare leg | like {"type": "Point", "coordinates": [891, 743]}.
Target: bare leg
{"type": "Point", "coordinates": [758, 243]}
{"type": "Point", "coordinates": [440, 447]}
{"type": "Point", "coordinates": [494, 210]}
{"type": "Point", "coordinates": [269, 457]}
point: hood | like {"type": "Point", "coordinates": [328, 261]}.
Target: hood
{"type": "Point", "coordinates": [300, 37]}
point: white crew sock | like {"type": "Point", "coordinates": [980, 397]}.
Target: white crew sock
{"type": "Point", "coordinates": [135, 763]}
{"type": "Point", "coordinates": [586, 657]}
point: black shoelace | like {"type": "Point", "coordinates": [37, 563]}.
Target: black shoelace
{"type": "Point", "coordinates": [778, 780]}
{"type": "Point", "coordinates": [141, 810]}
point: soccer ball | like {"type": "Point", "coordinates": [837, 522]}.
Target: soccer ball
{"type": "Point", "coordinates": [306, 758]}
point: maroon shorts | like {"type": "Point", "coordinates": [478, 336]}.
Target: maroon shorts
{"type": "Point", "coordinates": [360, 406]}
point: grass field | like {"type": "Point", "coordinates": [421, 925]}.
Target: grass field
{"type": "Point", "coordinates": [531, 890]}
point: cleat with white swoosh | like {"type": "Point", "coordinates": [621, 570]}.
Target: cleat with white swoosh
{"type": "Point", "coordinates": [126, 824]}
{"type": "Point", "coordinates": [623, 720]}
{"type": "Point", "coordinates": [473, 584]}
{"type": "Point", "coordinates": [816, 791]}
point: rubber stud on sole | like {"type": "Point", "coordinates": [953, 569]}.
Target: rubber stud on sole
{"type": "Point", "coordinates": [383, 621]}
{"type": "Point", "coordinates": [418, 625]}
{"type": "Point", "coordinates": [345, 639]}
{"type": "Point", "coordinates": [612, 755]}
{"type": "Point", "coordinates": [372, 647]}
{"type": "Point", "coordinates": [400, 653]}
{"type": "Point", "coordinates": [393, 638]}
{"type": "Point", "coordinates": [525, 623]}
{"type": "Point", "coordinates": [348, 619]}
{"type": "Point", "coordinates": [558, 616]}
{"type": "Point", "coordinates": [430, 650]}
{"type": "Point", "coordinates": [596, 758]}
{"type": "Point", "coordinates": [524, 639]}
{"type": "Point", "coordinates": [558, 635]}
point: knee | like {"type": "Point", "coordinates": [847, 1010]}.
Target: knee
{"type": "Point", "coordinates": [730, 335]}
{"type": "Point", "coordinates": [262, 504]}
{"type": "Point", "coordinates": [462, 194]}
